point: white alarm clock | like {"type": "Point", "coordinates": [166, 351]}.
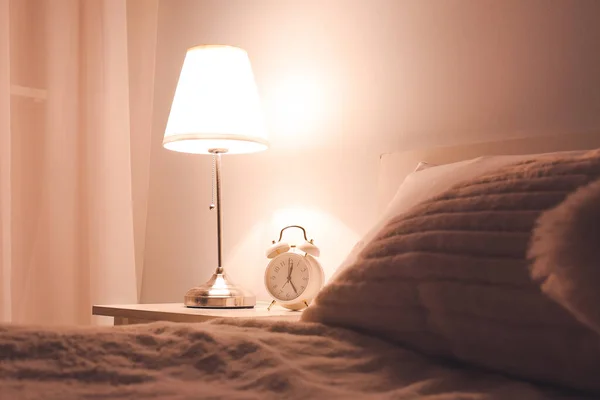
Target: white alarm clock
{"type": "Point", "coordinates": [293, 276]}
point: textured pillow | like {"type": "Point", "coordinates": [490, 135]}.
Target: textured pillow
{"type": "Point", "coordinates": [421, 185]}
{"type": "Point", "coordinates": [450, 278]}
{"type": "Point", "coordinates": [425, 183]}
{"type": "Point", "coordinates": [566, 254]}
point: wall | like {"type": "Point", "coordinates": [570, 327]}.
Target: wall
{"type": "Point", "coordinates": [343, 81]}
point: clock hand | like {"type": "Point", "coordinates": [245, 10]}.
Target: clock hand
{"type": "Point", "coordinates": [293, 287]}
{"type": "Point", "coordinates": [285, 284]}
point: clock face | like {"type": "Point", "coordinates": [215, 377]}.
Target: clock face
{"type": "Point", "coordinates": [287, 276]}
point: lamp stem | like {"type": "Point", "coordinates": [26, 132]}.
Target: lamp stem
{"type": "Point", "coordinates": [218, 207]}
{"type": "Point", "coordinates": [217, 154]}
{"type": "Point", "coordinates": [219, 291]}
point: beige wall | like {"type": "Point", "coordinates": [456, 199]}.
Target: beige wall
{"type": "Point", "coordinates": [341, 82]}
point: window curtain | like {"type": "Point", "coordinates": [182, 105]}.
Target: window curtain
{"type": "Point", "coordinates": [76, 85]}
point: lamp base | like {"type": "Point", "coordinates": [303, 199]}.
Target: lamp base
{"type": "Point", "coordinates": [219, 292]}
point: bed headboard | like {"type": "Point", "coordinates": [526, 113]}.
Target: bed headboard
{"type": "Point", "coordinates": [393, 167]}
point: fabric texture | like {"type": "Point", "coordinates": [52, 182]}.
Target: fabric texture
{"type": "Point", "coordinates": [418, 186]}
{"type": "Point", "coordinates": [423, 184]}
{"type": "Point", "coordinates": [450, 278]}
{"type": "Point", "coordinates": [566, 254]}
{"type": "Point", "coordinates": [234, 359]}
{"type": "Point", "coordinates": [76, 87]}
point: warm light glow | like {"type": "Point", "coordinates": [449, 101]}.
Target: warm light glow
{"type": "Point", "coordinates": [216, 104]}
{"type": "Point", "coordinates": [298, 104]}
{"type": "Point", "coordinates": [246, 259]}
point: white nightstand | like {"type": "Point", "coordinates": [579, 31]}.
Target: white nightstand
{"type": "Point", "coordinates": [126, 314]}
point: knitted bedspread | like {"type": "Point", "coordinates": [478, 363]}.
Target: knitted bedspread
{"type": "Point", "coordinates": [233, 359]}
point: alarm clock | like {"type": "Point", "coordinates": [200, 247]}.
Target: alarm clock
{"type": "Point", "coordinates": [293, 276]}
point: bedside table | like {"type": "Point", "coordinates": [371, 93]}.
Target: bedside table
{"type": "Point", "coordinates": [127, 314]}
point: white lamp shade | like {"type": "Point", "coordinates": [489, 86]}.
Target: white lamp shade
{"type": "Point", "coordinates": [216, 104]}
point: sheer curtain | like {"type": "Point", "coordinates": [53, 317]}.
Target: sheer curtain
{"type": "Point", "coordinates": [76, 84]}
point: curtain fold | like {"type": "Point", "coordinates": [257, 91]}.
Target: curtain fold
{"type": "Point", "coordinates": [5, 161]}
{"type": "Point", "coordinates": [141, 35]}
{"type": "Point", "coordinates": [66, 173]}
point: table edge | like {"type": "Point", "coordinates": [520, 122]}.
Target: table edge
{"type": "Point", "coordinates": [160, 315]}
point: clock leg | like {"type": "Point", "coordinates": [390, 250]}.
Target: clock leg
{"type": "Point", "coordinates": [271, 305]}
{"type": "Point", "coordinates": [305, 303]}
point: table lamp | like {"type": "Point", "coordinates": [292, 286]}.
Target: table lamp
{"type": "Point", "coordinates": [216, 110]}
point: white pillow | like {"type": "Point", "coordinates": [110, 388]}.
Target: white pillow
{"type": "Point", "coordinates": [423, 184]}
{"type": "Point", "coordinates": [422, 165]}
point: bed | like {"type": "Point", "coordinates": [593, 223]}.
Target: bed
{"type": "Point", "coordinates": [478, 282]}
